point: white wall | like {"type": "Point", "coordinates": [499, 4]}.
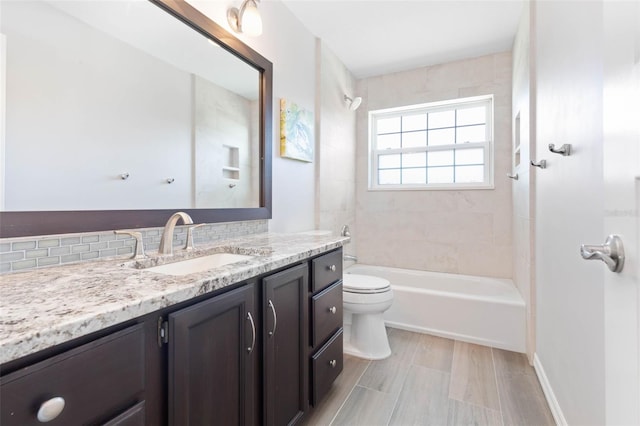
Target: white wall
{"type": "Point", "coordinates": [466, 232]}
{"type": "Point", "coordinates": [336, 146]}
{"type": "Point", "coordinates": [3, 92]}
{"type": "Point", "coordinates": [71, 102]}
{"type": "Point", "coordinates": [291, 48]}
{"type": "Point", "coordinates": [59, 100]}
{"type": "Point", "coordinates": [621, 169]}
{"type": "Point", "coordinates": [569, 206]}
{"type": "Point", "coordinates": [522, 188]}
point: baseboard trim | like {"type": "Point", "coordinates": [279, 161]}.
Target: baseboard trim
{"type": "Point", "coordinates": [556, 411]}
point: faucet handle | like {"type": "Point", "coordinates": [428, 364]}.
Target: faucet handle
{"type": "Point", "coordinates": [139, 247]}
{"type": "Point", "coordinates": [190, 244]}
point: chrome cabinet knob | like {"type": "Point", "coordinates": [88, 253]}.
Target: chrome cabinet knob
{"type": "Point", "coordinates": [333, 309]}
{"type": "Point", "coordinates": [50, 409]}
{"type": "Point", "coordinates": [333, 363]}
{"type": "Point", "coordinates": [332, 268]}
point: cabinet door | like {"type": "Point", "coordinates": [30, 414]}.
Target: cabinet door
{"type": "Point", "coordinates": [285, 344]}
{"type": "Point", "coordinates": [213, 355]}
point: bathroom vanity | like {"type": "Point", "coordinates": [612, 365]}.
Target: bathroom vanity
{"type": "Point", "coordinates": [257, 341]}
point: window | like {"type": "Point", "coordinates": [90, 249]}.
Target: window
{"type": "Point", "coordinates": [441, 145]}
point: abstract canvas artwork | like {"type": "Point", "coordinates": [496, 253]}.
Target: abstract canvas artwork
{"type": "Point", "coordinates": [296, 132]}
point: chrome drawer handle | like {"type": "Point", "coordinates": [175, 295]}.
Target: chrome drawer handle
{"type": "Point", "coordinates": [333, 363]}
{"type": "Point", "coordinates": [50, 409]}
{"type": "Point", "coordinates": [332, 309]}
{"type": "Point", "coordinates": [332, 268]}
{"type": "Point", "coordinates": [253, 331]}
{"type": "Point", "coordinates": [275, 318]}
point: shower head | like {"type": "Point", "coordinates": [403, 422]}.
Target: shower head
{"type": "Point", "coordinates": [353, 103]}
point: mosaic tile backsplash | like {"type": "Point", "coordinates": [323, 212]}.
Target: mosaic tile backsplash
{"type": "Point", "coordinates": [18, 254]}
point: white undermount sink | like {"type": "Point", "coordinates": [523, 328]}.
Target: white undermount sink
{"type": "Point", "coordinates": [199, 264]}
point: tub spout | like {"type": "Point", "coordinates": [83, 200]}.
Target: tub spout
{"type": "Point", "coordinates": [349, 257]}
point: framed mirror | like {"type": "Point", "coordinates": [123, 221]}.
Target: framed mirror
{"type": "Point", "coordinates": [118, 114]}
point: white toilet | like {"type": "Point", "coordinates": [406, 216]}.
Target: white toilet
{"type": "Point", "coordinates": [365, 299]}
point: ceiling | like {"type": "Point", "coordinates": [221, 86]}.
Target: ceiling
{"type": "Point", "coordinates": [375, 37]}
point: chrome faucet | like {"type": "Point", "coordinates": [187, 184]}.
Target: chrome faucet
{"type": "Point", "coordinates": [166, 243]}
{"type": "Point", "coordinates": [349, 257]}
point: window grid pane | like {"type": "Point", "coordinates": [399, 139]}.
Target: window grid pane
{"type": "Point", "coordinates": [413, 139]}
{"type": "Point", "coordinates": [418, 138]}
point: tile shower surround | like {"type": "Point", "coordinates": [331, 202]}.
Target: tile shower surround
{"type": "Point", "coordinates": [465, 232]}
{"type": "Point", "coordinates": [19, 254]}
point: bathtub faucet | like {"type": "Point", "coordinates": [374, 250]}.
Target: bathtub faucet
{"type": "Point", "coordinates": [349, 257]}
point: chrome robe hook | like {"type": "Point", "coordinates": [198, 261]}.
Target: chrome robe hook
{"type": "Point", "coordinates": [565, 149]}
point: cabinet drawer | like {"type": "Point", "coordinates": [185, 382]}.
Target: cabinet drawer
{"type": "Point", "coordinates": [326, 366]}
{"type": "Point", "coordinates": [134, 416]}
{"type": "Point", "coordinates": [97, 381]}
{"type": "Point", "coordinates": [327, 269]}
{"type": "Point", "coordinates": [326, 313]}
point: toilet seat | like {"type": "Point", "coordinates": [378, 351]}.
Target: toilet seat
{"type": "Point", "coordinates": [364, 284]}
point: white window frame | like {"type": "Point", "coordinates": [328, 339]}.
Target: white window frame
{"type": "Point", "coordinates": [487, 145]}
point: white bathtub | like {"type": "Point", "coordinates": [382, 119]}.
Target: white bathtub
{"type": "Point", "coordinates": [486, 311]}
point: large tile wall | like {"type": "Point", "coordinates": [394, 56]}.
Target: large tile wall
{"type": "Point", "coordinates": [466, 232]}
{"type": "Point", "coordinates": [336, 146]}
{"type": "Point", "coordinates": [18, 254]}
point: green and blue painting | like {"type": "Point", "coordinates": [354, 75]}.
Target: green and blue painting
{"type": "Point", "coordinates": [296, 132]}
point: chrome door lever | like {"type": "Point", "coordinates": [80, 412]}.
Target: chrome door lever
{"type": "Point", "coordinates": [611, 252]}
{"type": "Point", "coordinates": [514, 176]}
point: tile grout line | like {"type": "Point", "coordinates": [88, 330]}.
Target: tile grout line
{"type": "Point", "coordinates": [495, 376]}
{"type": "Point", "coordinates": [472, 404]}
{"type": "Point", "coordinates": [350, 392]}
{"type": "Point", "coordinates": [411, 363]}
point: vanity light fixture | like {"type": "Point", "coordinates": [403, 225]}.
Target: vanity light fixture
{"type": "Point", "coordinates": [247, 19]}
{"type": "Point", "coordinates": [354, 103]}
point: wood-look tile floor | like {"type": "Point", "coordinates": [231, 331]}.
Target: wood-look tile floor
{"type": "Point", "coordinates": [429, 380]}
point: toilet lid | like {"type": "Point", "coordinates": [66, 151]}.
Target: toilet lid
{"type": "Point", "coordinates": [355, 283]}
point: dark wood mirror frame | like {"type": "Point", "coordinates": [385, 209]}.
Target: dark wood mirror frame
{"type": "Point", "coordinates": [32, 223]}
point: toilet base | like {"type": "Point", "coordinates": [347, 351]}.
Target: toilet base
{"type": "Point", "coordinates": [366, 337]}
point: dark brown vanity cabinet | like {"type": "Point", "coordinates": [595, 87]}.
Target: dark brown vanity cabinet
{"type": "Point", "coordinates": [285, 336]}
{"type": "Point", "coordinates": [326, 323]}
{"type": "Point", "coordinates": [101, 382]}
{"type": "Point", "coordinates": [256, 353]}
{"type": "Point", "coordinates": [213, 361]}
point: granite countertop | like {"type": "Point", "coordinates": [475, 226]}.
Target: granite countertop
{"type": "Point", "coordinates": [45, 307]}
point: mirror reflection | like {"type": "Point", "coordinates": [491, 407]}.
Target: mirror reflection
{"type": "Point", "coordinates": [118, 106]}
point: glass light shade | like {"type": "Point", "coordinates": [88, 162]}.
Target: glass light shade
{"type": "Point", "coordinates": [251, 20]}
